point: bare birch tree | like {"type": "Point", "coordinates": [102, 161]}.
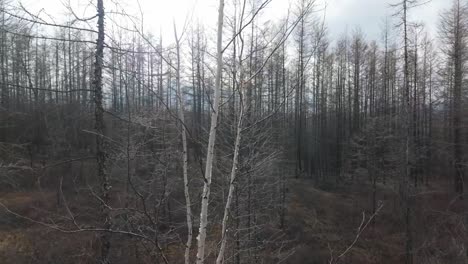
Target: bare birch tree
{"type": "Point", "coordinates": [181, 115]}
{"type": "Point", "coordinates": [211, 140]}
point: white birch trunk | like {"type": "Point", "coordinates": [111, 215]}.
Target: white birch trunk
{"type": "Point", "coordinates": [211, 141]}
{"type": "Point", "coordinates": [235, 161]}
{"type": "Point", "coordinates": [188, 244]}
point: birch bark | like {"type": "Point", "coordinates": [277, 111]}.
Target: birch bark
{"type": "Point", "coordinates": [211, 141]}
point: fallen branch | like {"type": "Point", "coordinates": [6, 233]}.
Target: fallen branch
{"type": "Point", "coordinates": [362, 227]}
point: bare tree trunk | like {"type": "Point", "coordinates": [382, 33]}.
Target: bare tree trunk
{"type": "Point", "coordinates": [235, 161]}
{"type": "Point", "coordinates": [188, 244]}
{"type": "Point", "coordinates": [407, 133]}
{"type": "Point", "coordinates": [457, 99]}
{"type": "Point", "coordinates": [101, 155]}
{"type": "Point", "coordinates": [211, 141]}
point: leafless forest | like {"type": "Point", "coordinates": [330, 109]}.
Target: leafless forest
{"type": "Point", "coordinates": [249, 140]}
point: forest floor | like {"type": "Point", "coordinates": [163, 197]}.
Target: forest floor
{"type": "Point", "coordinates": [325, 224]}
{"type": "Point", "coordinates": [320, 224]}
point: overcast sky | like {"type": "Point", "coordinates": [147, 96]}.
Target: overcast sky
{"type": "Point", "coordinates": [341, 15]}
{"type": "Point", "coordinates": [370, 15]}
